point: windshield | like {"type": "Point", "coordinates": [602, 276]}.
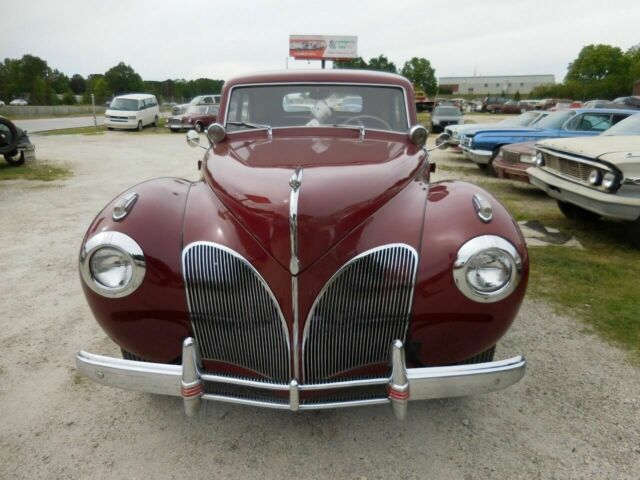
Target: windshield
{"type": "Point", "coordinates": [299, 105]}
{"type": "Point", "coordinates": [449, 111]}
{"type": "Point", "coordinates": [523, 120]}
{"type": "Point", "coordinates": [196, 100]}
{"type": "Point", "coordinates": [123, 104]}
{"type": "Point", "coordinates": [196, 109]}
{"type": "Point", "coordinates": [628, 126]}
{"type": "Point", "coordinates": [555, 120]}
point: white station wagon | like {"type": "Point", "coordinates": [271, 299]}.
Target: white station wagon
{"type": "Point", "coordinates": [132, 112]}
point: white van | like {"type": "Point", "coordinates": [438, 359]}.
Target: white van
{"type": "Point", "coordinates": [132, 111]}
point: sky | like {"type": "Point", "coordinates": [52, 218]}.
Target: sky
{"type": "Point", "coordinates": [220, 39]}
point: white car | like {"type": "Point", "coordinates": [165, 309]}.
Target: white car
{"type": "Point", "coordinates": [1, 103]}
{"type": "Point", "coordinates": [19, 102]}
{"type": "Point", "coordinates": [132, 112]}
{"type": "Point", "coordinates": [199, 100]}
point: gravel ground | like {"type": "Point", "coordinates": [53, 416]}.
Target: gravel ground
{"type": "Point", "coordinates": [576, 414]}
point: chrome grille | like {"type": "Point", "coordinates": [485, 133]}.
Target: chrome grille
{"type": "Point", "coordinates": [362, 309]}
{"type": "Point", "coordinates": [509, 156]}
{"type": "Point", "coordinates": [569, 168]}
{"type": "Point", "coordinates": [235, 317]}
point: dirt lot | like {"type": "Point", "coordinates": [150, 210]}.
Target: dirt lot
{"type": "Point", "coordinates": [576, 414]}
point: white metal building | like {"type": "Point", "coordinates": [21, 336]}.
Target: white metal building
{"type": "Point", "coordinates": [495, 85]}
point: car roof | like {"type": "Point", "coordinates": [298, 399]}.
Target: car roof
{"type": "Point", "coordinates": [135, 96]}
{"type": "Point", "coordinates": [329, 75]}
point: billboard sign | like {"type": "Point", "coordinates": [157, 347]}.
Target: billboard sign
{"type": "Point", "coordinates": [323, 47]}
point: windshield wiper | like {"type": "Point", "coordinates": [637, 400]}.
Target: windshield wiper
{"type": "Point", "coordinates": [254, 125]}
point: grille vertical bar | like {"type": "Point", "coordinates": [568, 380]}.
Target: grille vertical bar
{"type": "Point", "coordinates": [235, 317]}
{"type": "Point", "coordinates": [360, 311]}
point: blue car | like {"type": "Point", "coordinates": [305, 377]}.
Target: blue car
{"type": "Point", "coordinates": [482, 145]}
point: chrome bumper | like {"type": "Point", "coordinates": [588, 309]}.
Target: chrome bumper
{"type": "Point", "coordinates": [187, 381]}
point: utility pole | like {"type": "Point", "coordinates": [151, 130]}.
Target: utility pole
{"type": "Point", "coordinates": [93, 108]}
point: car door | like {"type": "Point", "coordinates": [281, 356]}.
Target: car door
{"type": "Point", "coordinates": [587, 124]}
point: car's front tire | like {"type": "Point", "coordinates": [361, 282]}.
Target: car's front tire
{"type": "Point", "coordinates": [130, 356]}
{"type": "Point", "coordinates": [139, 128]}
{"type": "Point", "coordinates": [15, 159]}
{"type": "Point", "coordinates": [573, 212]}
{"type": "Point", "coordinates": [199, 127]}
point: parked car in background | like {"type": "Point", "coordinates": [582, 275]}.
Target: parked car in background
{"type": "Point", "coordinates": [482, 146]}
{"type": "Point", "coordinates": [199, 100]}
{"type": "Point", "coordinates": [594, 177]}
{"type": "Point", "coordinates": [442, 117]}
{"type": "Point", "coordinates": [198, 117]}
{"type": "Point", "coordinates": [300, 271]}
{"type": "Point", "coordinates": [423, 103]}
{"type": "Point", "coordinates": [2, 104]}
{"type": "Point", "coordinates": [633, 101]}
{"type": "Point", "coordinates": [511, 106]}
{"type": "Point", "coordinates": [19, 102]}
{"type": "Point", "coordinates": [565, 105]}
{"type": "Point", "coordinates": [523, 120]}
{"type": "Point", "coordinates": [490, 103]}
{"type": "Point", "coordinates": [132, 112]}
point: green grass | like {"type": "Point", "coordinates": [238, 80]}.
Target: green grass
{"type": "Point", "coordinates": [91, 130]}
{"type": "Point", "coordinates": [35, 171]}
{"type": "Point", "coordinates": [598, 284]}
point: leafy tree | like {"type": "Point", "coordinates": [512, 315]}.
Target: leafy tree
{"type": "Point", "coordinates": [357, 63]}
{"type": "Point", "coordinates": [517, 97]}
{"type": "Point", "coordinates": [77, 84]}
{"type": "Point", "coordinates": [122, 79]}
{"type": "Point", "coordinates": [101, 90]}
{"type": "Point", "coordinates": [41, 92]}
{"type": "Point", "coordinates": [59, 82]}
{"type": "Point", "coordinates": [69, 99]}
{"type": "Point", "coordinates": [382, 64]}
{"type": "Point", "coordinates": [596, 62]}
{"type": "Point", "coordinates": [421, 74]}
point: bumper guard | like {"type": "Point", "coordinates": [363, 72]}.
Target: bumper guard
{"type": "Point", "coordinates": [187, 381]}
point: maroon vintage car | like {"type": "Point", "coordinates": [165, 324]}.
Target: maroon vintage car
{"type": "Point", "coordinates": [313, 266]}
{"type": "Point", "coordinates": [198, 117]}
{"type": "Point", "coordinates": [513, 160]}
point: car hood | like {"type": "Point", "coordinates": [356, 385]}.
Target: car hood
{"type": "Point", "coordinates": [605, 147]}
{"type": "Point", "coordinates": [524, 147]}
{"type": "Point", "coordinates": [344, 181]}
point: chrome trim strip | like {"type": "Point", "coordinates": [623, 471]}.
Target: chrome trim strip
{"type": "Point", "coordinates": [264, 348]}
{"type": "Point", "coordinates": [345, 404]}
{"type": "Point", "coordinates": [385, 85]}
{"type": "Point", "coordinates": [402, 261]}
{"type": "Point", "coordinates": [295, 182]}
{"type": "Point", "coordinates": [296, 325]}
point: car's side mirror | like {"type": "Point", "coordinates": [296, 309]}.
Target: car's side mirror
{"type": "Point", "coordinates": [442, 141]}
{"type": "Point", "coordinates": [193, 139]}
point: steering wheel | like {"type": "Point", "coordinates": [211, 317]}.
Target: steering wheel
{"type": "Point", "coordinates": [359, 119]}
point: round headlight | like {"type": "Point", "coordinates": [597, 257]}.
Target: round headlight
{"type": "Point", "coordinates": [111, 267]}
{"type": "Point", "coordinates": [609, 180]}
{"type": "Point", "coordinates": [595, 177]}
{"type": "Point", "coordinates": [487, 269]}
{"type": "Point", "coordinates": [539, 159]}
{"type": "Point", "coordinates": [112, 264]}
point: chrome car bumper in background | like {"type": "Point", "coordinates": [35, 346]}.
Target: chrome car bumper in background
{"type": "Point", "coordinates": [477, 156]}
{"type": "Point", "coordinates": [611, 205]}
{"type": "Point", "coordinates": [190, 382]}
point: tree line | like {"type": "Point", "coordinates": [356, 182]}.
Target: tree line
{"type": "Point", "coordinates": [31, 78]}
{"type": "Point", "coordinates": [418, 70]}
{"type": "Point", "coordinates": [599, 72]}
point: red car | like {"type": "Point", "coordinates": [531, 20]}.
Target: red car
{"type": "Point", "coordinates": [513, 160]}
{"type": "Point", "coordinates": [197, 117]}
{"type": "Point", "coordinates": [313, 266]}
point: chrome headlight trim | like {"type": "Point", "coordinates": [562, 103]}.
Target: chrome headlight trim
{"type": "Point", "coordinates": [125, 245]}
{"type": "Point", "coordinates": [476, 246]}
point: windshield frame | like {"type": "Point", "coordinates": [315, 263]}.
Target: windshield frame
{"type": "Point", "coordinates": [281, 84]}
{"type": "Point", "coordinates": [137, 101]}
{"type": "Point", "coordinates": [570, 115]}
